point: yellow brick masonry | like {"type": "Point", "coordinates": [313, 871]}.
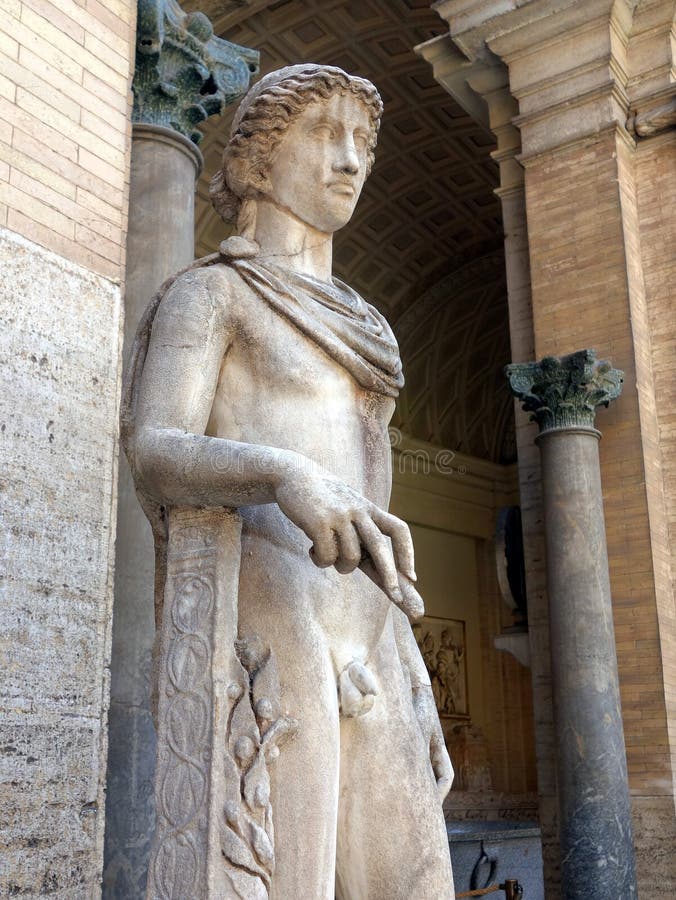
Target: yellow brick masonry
{"type": "Point", "coordinates": [602, 245]}
{"type": "Point", "coordinates": [656, 201]}
{"type": "Point", "coordinates": [65, 78]}
{"type": "Point", "coordinates": [586, 252]}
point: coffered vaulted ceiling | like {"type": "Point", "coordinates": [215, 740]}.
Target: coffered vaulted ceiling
{"type": "Point", "coordinates": [428, 207]}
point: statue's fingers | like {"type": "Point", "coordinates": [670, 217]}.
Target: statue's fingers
{"type": "Point", "coordinates": [412, 610]}
{"type": "Point", "coordinates": [413, 602]}
{"type": "Point", "coordinates": [378, 547]}
{"type": "Point", "coordinates": [402, 543]}
{"type": "Point", "coordinates": [324, 549]}
{"type": "Point", "coordinates": [441, 766]}
{"type": "Point", "coordinates": [349, 547]}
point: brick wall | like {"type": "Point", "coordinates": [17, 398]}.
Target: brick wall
{"type": "Point", "coordinates": [588, 291]}
{"type": "Point", "coordinates": [656, 201]}
{"type": "Point", "coordinates": [65, 126]}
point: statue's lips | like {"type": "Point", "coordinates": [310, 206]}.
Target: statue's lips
{"type": "Point", "coordinates": [342, 187]}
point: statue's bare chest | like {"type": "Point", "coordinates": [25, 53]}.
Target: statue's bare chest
{"type": "Point", "coordinates": [278, 387]}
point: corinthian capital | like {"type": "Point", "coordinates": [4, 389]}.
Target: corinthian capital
{"type": "Point", "coordinates": [184, 73]}
{"type": "Point", "coordinates": [564, 391]}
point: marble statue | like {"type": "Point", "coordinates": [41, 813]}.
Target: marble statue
{"type": "Point", "coordinates": [300, 756]}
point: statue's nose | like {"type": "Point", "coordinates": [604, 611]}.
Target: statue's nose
{"type": "Point", "coordinates": [347, 160]}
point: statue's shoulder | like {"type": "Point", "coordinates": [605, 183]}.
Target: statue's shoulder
{"type": "Point", "coordinates": [211, 286]}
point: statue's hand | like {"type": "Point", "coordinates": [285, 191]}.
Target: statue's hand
{"type": "Point", "coordinates": [428, 719]}
{"type": "Point", "coordinates": [348, 531]}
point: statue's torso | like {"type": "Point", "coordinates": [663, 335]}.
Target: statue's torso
{"type": "Point", "coordinates": [278, 388]}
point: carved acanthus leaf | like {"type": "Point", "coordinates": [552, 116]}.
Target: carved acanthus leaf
{"type": "Point", "coordinates": [184, 73]}
{"type": "Point", "coordinates": [563, 392]}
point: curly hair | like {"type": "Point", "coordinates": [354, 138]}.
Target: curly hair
{"type": "Point", "coordinates": [259, 125]}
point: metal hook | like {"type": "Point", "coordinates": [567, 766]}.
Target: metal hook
{"type": "Point", "coordinates": [484, 859]}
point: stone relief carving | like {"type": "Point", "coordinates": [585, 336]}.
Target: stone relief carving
{"type": "Point", "coordinates": [212, 733]}
{"type": "Point", "coordinates": [472, 762]}
{"type": "Point", "coordinates": [256, 730]}
{"type": "Point", "coordinates": [184, 720]}
{"type": "Point", "coordinates": [255, 420]}
{"type": "Point", "coordinates": [443, 646]}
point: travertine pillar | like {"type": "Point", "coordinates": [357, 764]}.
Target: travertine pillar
{"type": "Point", "coordinates": [595, 814]}
{"type": "Point", "coordinates": [492, 84]}
{"type": "Point", "coordinates": [482, 89]}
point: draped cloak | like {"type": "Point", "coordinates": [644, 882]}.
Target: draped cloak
{"type": "Point", "coordinates": [332, 315]}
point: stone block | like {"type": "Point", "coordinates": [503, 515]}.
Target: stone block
{"type": "Point", "coordinates": [60, 360]}
{"type": "Point", "coordinates": [51, 813]}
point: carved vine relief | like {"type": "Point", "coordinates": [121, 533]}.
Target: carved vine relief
{"type": "Point", "coordinates": [255, 731]}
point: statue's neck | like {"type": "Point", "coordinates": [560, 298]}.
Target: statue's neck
{"type": "Point", "coordinates": [287, 241]}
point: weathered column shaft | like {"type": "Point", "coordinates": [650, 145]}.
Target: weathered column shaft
{"type": "Point", "coordinates": [595, 815]}
{"type": "Point", "coordinates": [164, 166]}
{"type": "Point", "coordinates": [595, 821]}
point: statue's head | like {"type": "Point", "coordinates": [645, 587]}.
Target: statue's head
{"type": "Point", "coordinates": [259, 160]}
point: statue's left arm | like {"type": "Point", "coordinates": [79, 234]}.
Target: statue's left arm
{"type": "Point", "coordinates": [423, 703]}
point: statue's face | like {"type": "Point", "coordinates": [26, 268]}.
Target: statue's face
{"type": "Point", "coordinates": [320, 166]}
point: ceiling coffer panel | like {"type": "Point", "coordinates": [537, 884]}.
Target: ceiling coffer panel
{"type": "Point", "coordinates": [427, 210]}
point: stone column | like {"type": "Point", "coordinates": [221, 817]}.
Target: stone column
{"type": "Point", "coordinates": [594, 87]}
{"type": "Point", "coordinates": [183, 75]}
{"type": "Point", "coordinates": [164, 168]}
{"type": "Point", "coordinates": [595, 815]}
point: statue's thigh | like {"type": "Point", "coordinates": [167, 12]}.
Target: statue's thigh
{"type": "Point", "coordinates": [392, 842]}
{"type": "Point", "coordinates": [305, 781]}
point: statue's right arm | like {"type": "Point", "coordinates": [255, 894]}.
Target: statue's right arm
{"type": "Point", "coordinates": [177, 463]}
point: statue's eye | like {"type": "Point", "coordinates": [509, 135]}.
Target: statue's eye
{"type": "Point", "coordinates": [360, 140]}
{"type": "Point", "coordinates": [323, 131]}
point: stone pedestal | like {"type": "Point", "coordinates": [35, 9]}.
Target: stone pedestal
{"type": "Point", "coordinates": [164, 168]}
{"type": "Point", "coordinates": [486, 853]}
{"type": "Point", "coordinates": [595, 814]}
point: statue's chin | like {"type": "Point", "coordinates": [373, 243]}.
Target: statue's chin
{"type": "Point", "coordinates": [333, 219]}
{"type": "Point", "coordinates": [328, 210]}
